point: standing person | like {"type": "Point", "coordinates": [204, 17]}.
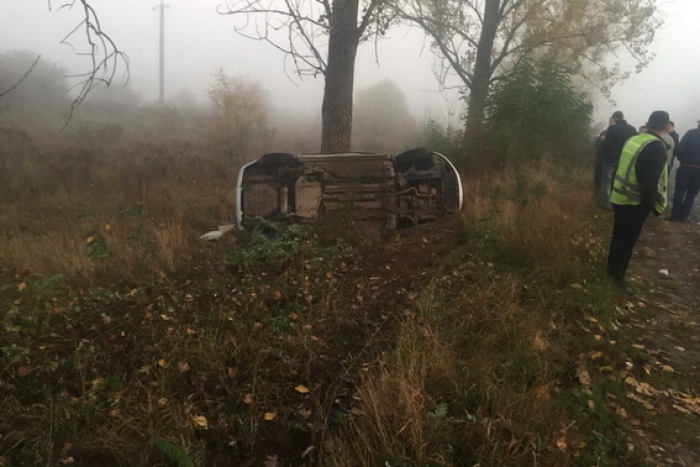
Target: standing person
{"type": "Point", "coordinates": [639, 188]}
{"type": "Point", "coordinates": [676, 141]}
{"type": "Point", "coordinates": [687, 176]}
{"type": "Point", "coordinates": [615, 137]}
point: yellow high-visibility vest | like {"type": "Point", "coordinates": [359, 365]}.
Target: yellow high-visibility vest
{"type": "Point", "coordinates": [626, 189]}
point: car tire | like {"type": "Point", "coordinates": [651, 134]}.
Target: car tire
{"type": "Point", "coordinates": [418, 156]}
{"type": "Point", "coordinates": [278, 158]}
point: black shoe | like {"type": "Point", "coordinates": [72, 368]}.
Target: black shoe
{"type": "Point", "coordinates": [623, 286]}
{"type": "Point", "coordinates": [672, 219]}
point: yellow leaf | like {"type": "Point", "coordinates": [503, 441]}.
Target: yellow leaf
{"type": "Point", "coordinates": [561, 444]}
{"type": "Point", "coordinates": [184, 367]}
{"type": "Point", "coordinates": [90, 239]}
{"type": "Point", "coordinates": [200, 421]}
{"type": "Point", "coordinates": [301, 389]}
{"type": "Point", "coordinates": [667, 368]}
{"type": "Point", "coordinates": [269, 416]}
{"type": "Point", "coordinates": [248, 399]}
{"type": "Point", "coordinates": [190, 331]}
{"type": "Point", "coordinates": [542, 392]}
{"type": "Point", "coordinates": [232, 371]}
{"type": "Point", "coordinates": [539, 343]}
{"type": "Point", "coordinates": [161, 363]}
{"type": "Point", "coordinates": [21, 286]}
{"type": "Point", "coordinates": [596, 355]}
{"type": "Point", "coordinates": [108, 227]}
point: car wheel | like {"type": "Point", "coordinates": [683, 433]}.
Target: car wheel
{"type": "Point", "coordinates": [278, 158]}
{"type": "Point", "coordinates": [418, 156]}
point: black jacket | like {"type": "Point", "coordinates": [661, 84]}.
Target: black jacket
{"type": "Point", "coordinates": [688, 152]}
{"type": "Point", "coordinates": [615, 138]}
{"type": "Point", "coordinates": [649, 167]}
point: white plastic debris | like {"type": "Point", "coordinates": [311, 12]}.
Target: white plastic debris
{"type": "Point", "coordinates": [216, 234]}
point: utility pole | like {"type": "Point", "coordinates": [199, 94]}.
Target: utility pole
{"type": "Point", "coordinates": [161, 82]}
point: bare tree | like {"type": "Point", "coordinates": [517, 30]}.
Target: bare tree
{"type": "Point", "coordinates": [482, 40]}
{"type": "Point", "coordinates": [318, 37]}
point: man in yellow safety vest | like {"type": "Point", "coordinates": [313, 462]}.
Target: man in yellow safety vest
{"type": "Point", "coordinates": [639, 187]}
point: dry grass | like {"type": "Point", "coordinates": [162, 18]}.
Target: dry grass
{"type": "Point", "coordinates": [160, 329]}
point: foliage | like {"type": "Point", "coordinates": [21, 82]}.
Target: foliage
{"type": "Point", "coordinates": [482, 41]}
{"type": "Point", "coordinates": [535, 110]}
{"type": "Point", "coordinates": [381, 118]}
{"type": "Point", "coordinates": [41, 96]}
{"type": "Point", "coordinates": [173, 452]}
{"type": "Point", "coordinates": [437, 138]}
{"type": "Point", "coordinates": [492, 339]}
{"type": "Point", "coordinates": [239, 112]}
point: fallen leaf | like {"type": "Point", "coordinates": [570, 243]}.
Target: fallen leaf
{"type": "Point", "coordinates": [663, 272]}
{"type": "Point", "coordinates": [584, 377]}
{"type": "Point", "coordinates": [248, 399]}
{"type": "Point", "coordinates": [184, 367]}
{"type": "Point", "coordinates": [596, 355]}
{"type": "Point", "coordinates": [200, 421]}
{"type": "Point", "coordinates": [161, 363]}
{"type": "Point", "coordinates": [232, 372]}
{"type": "Point", "coordinates": [667, 368]}
{"type": "Point", "coordinates": [271, 461]}
{"type": "Point", "coordinates": [561, 443]}
{"type": "Point", "coordinates": [542, 392]}
{"type": "Point", "coordinates": [539, 343]}
{"type": "Point", "coordinates": [301, 389]}
{"type": "Point", "coordinates": [190, 331]}
{"type": "Point", "coordinates": [269, 416]}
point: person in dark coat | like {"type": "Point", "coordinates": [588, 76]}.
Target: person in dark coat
{"type": "Point", "coordinates": [676, 141]}
{"type": "Point", "coordinates": [639, 189]}
{"type": "Point", "coordinates": [615, 137]}
{"type": "Point", "coordinates": [687, 176]}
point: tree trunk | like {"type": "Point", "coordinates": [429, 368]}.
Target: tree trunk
{"type": "Point", "coordinates": [336, 111]}
{"type": "Point", "coordinates": [478, 91]}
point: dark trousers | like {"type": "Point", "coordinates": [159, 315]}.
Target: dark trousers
{"type": "Point", "coordinates": [628, 225]}
{"type": "Point", "coordinates": [687, 188]}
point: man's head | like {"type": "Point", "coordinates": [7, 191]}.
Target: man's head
{"type": "Point", "coordinates": [617, 116]}
{"type": "Point", "coordinates": [659, 122]}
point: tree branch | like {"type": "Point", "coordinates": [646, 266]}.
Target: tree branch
{"type": "Point", "coordinates": [14, 86]}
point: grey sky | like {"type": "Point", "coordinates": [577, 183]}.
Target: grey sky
{"type": "Point", "coordinates": [199, 41]}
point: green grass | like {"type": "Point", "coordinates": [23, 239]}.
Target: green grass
{"type": "Point", "coordinates": [153, 348]}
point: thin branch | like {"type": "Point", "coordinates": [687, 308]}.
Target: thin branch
{"type": "Point", "coordinates": [14, 86]}
{"type": "Point", "coordinates": [105, 56]}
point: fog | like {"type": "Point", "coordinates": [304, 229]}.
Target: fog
{"type": "Point", "coordinates": [199, 41]}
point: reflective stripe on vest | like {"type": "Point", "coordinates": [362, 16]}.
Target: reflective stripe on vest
{"type": "Point", "coordinates": [626, 189]}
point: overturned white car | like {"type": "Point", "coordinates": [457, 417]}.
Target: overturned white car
{"type": "Point", "coordinates": [385, 190]}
